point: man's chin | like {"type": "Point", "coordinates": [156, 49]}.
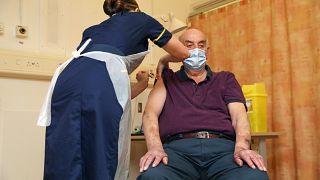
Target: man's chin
{"type": "Point", "coordinates": [195, 72]}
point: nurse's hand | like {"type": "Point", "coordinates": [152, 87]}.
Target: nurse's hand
{"type": "Point", "coordinates": [143, 76]}
{"type": "Point", "coordinates": [154, 156]}
{"type": "Point", "coordinates": [163, 63]}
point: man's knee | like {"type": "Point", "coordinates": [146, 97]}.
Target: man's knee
{"type": "Point", "coordinates": [150, 174]}
{"type": "Point", "coordinates": [254, 174]}
{"type": "Point", "coordinates": [259, 175]}
{"type": "Point", "coordinates": [244, 173]}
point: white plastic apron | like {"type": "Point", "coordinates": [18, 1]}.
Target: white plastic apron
{"type": "Point", "coordinates": [118, 73]}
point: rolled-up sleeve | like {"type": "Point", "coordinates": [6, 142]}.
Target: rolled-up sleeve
{"type": "Point", "coordinates": [232, 91]}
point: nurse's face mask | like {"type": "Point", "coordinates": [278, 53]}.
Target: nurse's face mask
{"type": "Point", "coordinates": [196, 61]}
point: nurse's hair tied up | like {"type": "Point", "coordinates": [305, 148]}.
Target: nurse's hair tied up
{"type": "Point", "coordinates": [111, 7]}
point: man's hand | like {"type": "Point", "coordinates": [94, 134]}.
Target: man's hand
{"type": "Point", "coordinates": [242, 150]}
{"type": "Point", "coordinates": [150, 116]}
{"type": "Point", "coordinates": [252, 158]}
{"type": "Point", "coordinates": [154, 156]}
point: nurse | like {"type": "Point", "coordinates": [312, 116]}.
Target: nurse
{"type": "Point", "coordinates": [87, 110]}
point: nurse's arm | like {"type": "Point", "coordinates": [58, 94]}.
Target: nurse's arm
{"type": "Point", "coordinates": [142, 83]}
{"type": "Point", "coordinates": [177, 53]}
{"type": "Point", "coordinates": [176, 49]}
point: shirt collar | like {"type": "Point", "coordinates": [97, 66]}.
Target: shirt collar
{"type": "Point", "coordinates": [183, 75]}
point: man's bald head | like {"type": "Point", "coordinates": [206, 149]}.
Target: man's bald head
{"type": "Point", "coordinates": [194, 38]}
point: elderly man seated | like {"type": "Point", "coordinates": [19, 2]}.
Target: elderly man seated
{"type": "Point", "coordinates": [195, 123]}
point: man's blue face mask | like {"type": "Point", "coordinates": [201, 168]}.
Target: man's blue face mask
{"type": "Point", "coordinates": [196, 61]}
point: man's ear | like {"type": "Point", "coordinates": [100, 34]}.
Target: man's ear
{"type": "Point", "coordinates": [207, 52]}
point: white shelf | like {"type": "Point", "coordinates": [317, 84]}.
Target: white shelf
{"type": "Point", "coordinates": [28, 65]}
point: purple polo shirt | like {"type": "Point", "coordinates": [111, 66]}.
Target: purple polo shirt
{"type": "Point", "coordinates": [191, 107]}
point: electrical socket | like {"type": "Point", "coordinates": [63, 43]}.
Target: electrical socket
{"type": "Point", "coordinates": [22, 31]}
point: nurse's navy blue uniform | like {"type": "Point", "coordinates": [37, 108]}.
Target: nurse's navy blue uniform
{"type": "Point", "coordinates": [89, 134]}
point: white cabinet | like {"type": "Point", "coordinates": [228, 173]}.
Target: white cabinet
{"type": "Point", "coordinates": [21, 140]}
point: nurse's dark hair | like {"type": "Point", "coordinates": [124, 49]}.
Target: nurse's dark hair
{"type": "Point", "coordinates": [111, 7]}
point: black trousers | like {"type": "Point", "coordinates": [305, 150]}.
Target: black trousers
{"type": "Point", "coordinates": [201, 159]}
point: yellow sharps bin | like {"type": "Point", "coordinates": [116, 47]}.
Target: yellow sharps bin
{"type": "Point", "coordinates": [256, 101]}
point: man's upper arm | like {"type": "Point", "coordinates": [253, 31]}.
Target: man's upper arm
{"type": "Point", "coordinates": [156, 98]}
{"type": "Point", "coordinates": [236, 110]}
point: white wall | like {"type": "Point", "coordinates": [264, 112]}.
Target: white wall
{"type": "Point", "coordinates": [54, 29]}
{"type": "Point", "coordinates": [55, 26]}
